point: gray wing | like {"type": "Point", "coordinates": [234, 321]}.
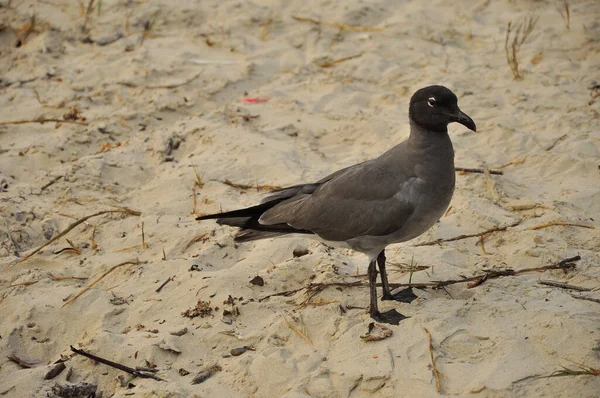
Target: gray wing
{"type": "Point", "coordinates": [301, 189]}
{"type": "Point", "coordinates": [365, 199]}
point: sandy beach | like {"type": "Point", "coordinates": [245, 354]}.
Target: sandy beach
{"type": "Point", "coordinates": [154, 112]}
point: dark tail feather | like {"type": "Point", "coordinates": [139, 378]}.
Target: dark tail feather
{"type": "Point", "coordinates": [250, 228]}
{"type": "Point", "coordinates": [247, 235]}
{"type": "Point", "coordinates": [254, 211]}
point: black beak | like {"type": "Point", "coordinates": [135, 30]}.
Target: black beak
{"type": "Point", "coordinates": [465, 120]}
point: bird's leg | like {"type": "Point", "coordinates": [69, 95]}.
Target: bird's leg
{"type": "Point", "coordinates": [387, 295]}
{"type": "Point", "coordinates": [372, 273]}
{"type": "Point", "coordinates": [404, 296]}
{"type": "Point", "coordinates": [392, 316]}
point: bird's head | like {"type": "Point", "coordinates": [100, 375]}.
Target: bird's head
{"type": "Point", "coordinates": [434, 107]}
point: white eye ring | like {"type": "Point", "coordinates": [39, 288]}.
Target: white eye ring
{"type": "Point", "coordinates": [431, 101]}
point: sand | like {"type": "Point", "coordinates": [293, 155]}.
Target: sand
{"type": "Point", "coordinates": [328, 97]}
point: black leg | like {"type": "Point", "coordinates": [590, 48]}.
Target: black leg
{"type": "Point", "coordinates": [387, 295]}
{"type": "Point", "coordinates": [404, 296]}
{"type": "Point", "coordinates": [372, 273]}
{"type": "Point", "coordinates": [392, 316]}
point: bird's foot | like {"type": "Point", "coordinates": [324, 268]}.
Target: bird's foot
{"type": "Point", "coordinates": [403, 296]}
{"type": "Point", "coordinates": [391, 317]}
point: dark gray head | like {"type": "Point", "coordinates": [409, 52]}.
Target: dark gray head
{"type": "Point", "coordinates": [434, 107]}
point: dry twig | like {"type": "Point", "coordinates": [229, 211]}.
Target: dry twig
{"type": "Point", "coordinates": [563, 285]}
{"type": "Point", "coordinates": [175, 85]}
{"type": "Point", "coordinates": [51, 182]}
{"type": "Point", "coordinates": [64, 278]}
{"type": "Point", "coordinates": [85, 289]}
{"type": "Point", "coordinates": [302, 332]}
{"type": "Point", "coordinates": [519, 33]}
{"type": "Point", "coordinates": [436, 372]}
{"type": "Point", "coordinates": [42, 121]}
{"type": "Point", "coordinates": [482, 171]}
{"type": "Point", "coordinates": [88, 12]}
{"type": "Point", "coordinates": [559, 223]}
{"type": "Point", "coordinates": [144, 244]}
{"type": "Point", "coordinates": [146, 373]}
{"type": "Point", "coordinates": [559, 139]}
{"type": "Point", "coordinates": [513, 163]}
{"type": "Point", "coordinates": [165, 283]}
{"type": "Point", "coordinates": [195, 240]}
{"type": "Point", "coordinates": [245, 186]}
{"type": "Point", "coordinates": [311, 288]}
{"type": "Point", "coordinates": [565, 265]}
{"type": "Point", "coordinates": [95, 247]}
{"type": "Point", "coordinates": [460, 237]}
{"type": "Point", "coordinates": [24, 284]}
{"type": "Point", "coordinates": [72, 226]}
{"type": "Point", "coordinates": [583, 370]}
{"type": "Point", "coordinates": [328, 64]}
{"type": "Point", "coordinates": [594, 300]}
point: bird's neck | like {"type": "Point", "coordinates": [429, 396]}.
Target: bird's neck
{"type": "Point", "coordinates": [423, 139]}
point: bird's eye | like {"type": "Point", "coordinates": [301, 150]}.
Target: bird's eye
{"type": "Point", "coordinates": [431, 102]}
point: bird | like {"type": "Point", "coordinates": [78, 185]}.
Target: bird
{"type": "Point", "coordinates": [365, 207]}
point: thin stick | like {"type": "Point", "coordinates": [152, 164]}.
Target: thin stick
{"type": "Point", "coordinates": [284, 293]}
{"type": "Point", "coordinates": [513, 163]}
{"type": "Point", "coordinates": [144, 245]}
{"type": "Point", "coordinates": [85, 289]}
{"type": "Point", "coordinates": [527, 207]}
{"type": "Point", "coordinates": [563, 285]}
{"type": "Point", "coordinates": [198, 178]}
{"type": "Point", "coordinates": [301, 333]}
{"type": "Point", "coordinates": [482, 243]}
{"type": "Point", "coordinates": [558, 223]}
{"type": "Point", "coordinates": [42, 121]}
{"type": "Point", "coordinates": [584, 370]}
{"type": "Point", "coordinates": [519, 35]}
{"type": "Point", "coordinates": [194, 193]}
{"type": "Point", "coordinates": [353, 28]}
{"type": "Point", "coordinates": [126, 248]}
{"type": "Point", "coordinates": [436, 372]}
{"type": "Point", "coordinates": [94, 245]}
{"type": "Point", "coordinates": [595, 300]}
{"type": "Point", "coordinates": [194, 240]}
{"type": "Point", "coordinates": [313, 287]}
{"type": "Point", "coordinates": [481, 171]}
{"type": "Point", "coordinates": [64, 278]}
{"type": "Point", "coordinates": [24, 284]}
{"type": "Point", "coordinates": [51, 182]}
{"type": "Point", "coordinates": [564, 265]}
{"type": "Point", "coordinates": [115, 365]}
{"type": "Point", "coordinates": [328, 64]}
{"type": "Point", "coordinates": [165, 283]}
{"type": "Point", "coordinates": [88, 12]}
{"type": "Point", "coordinates": [556, 141]}
{"type": "Point", "coordinates": [460, 237]}
{"type": "Point", "coordinates": [178, 84]}
{"type": "Point", "coordinates": [245, 186]}
{"type": "Point", "coordinates": [75, 224]}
